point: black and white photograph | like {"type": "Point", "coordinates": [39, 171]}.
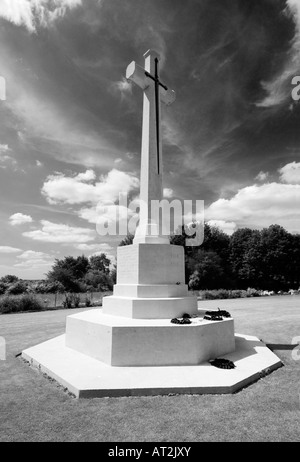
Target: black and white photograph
{"type": "Point", "coordinates": [149, 223]}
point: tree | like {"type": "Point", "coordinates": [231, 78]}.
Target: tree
{"type": "Point", "coordinates": [98, 280]}
{"type": "Point", "coordinates": [243, 253]}
{"type": "Point", "coordinates": [19, 287]}
{"type": "Point", "coordinates": [69, 272]}
{"type": "Point", "coordinates": [128, 240]}
{"type": "Point", "coordinates": [215, 240]}
{"type": "Point", "coordinates": [100, 263]}
{"type": "Point", "coordinates": [208, 272]}
{"type": "Point", "coordinates": [9, 279]}
{"type": "Point", "coordinates": [278, 265]}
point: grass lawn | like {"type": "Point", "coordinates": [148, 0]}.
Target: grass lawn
{"type": "Point", "coordinates": [33, 408]}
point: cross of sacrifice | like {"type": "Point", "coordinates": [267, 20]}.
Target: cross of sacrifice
{"type": "Point", "coordinates": [155, 92]}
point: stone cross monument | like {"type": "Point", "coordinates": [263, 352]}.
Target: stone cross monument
{"type": "Point", "coordinates": [130, 346]}
{"type": "Point", "coordinates": [155, 91]}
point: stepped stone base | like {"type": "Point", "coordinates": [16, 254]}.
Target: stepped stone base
{"type": "Point", "coordinates": [120, 341]}
{"type": "Point", "coordinates": [87, 377]}
{"type": "Point", "coordinates": [130, 347]}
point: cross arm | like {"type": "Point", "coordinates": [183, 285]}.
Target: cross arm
{"type": "Point", "coordinates": [167, 96]}
{"type": "Point", "coordinates": [136, 74]}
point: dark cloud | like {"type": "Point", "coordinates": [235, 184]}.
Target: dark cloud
{"type": "Point", "coordinates": [68, 103]}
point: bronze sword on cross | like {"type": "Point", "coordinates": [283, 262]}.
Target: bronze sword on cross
{"type": "Point", "coordinates": [136, 74]}
{"type": "Point", "coordinates": [157, 83]}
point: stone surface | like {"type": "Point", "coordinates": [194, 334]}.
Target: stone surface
{"type": "Point", "coordinates": [86, 377]}
{"type": "Point", "coordinates": [149, 308]}
{"type": "Point", "coordinates": [150, 290]}
{"type": "Point", "coordinates": [120, 341]}
{"type": "Point", "coordinates": [150, 264]}
{"type": "Point", "coordinates": [148, 230]}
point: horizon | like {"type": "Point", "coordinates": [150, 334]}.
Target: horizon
{"type": "Point", "coordinates": [71, 123]}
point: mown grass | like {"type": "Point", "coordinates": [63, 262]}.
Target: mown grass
{"type": "Point", "coordinates": [36, 409]}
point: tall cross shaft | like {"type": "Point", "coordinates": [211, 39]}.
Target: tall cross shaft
{"type": "Point", "coordinates": [151, 189]}
{"type": "Point", "coordinates": [157, 84]}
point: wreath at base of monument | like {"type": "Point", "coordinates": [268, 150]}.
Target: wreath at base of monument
{"type": "Point", "coordinates": [217, 315]}
{"type": "Point", "coordinates": [213, 317]}
{"type": "Point", "coordinates": [222, 363]}
{"type": "Point", "coordinates": [181, 321]}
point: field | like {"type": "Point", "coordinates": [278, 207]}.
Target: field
{"type": "Point", "coordinates": [36, 409]}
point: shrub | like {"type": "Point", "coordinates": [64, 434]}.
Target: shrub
{"type": "Point", "coordinates": [29, 302]}
{"type": "Point", "coordinates": [225, 294]}
{"type": "Point", "coordinates": [3, 288]}
{"type": "Point", "coordinates": [17, 288]}
{"type": "Point", "coordinates": [8, 305]}
{"type": "Point", "coordinates": [71, 300]}
{"type": "Point", "coordinates": [67, 303]}
{"type": "Point", "coordinates": [76, 300]}
{"type": "Point", "coordinates": [9, 279]}
{"type": "Point", "coordinates": [88, 301]}
{"type": "Point", "coordinates": [46, 287]}
{"type": "Point", "coordinates": [26, 302]}
{"type": "Point", "coordinates": [252, 292]}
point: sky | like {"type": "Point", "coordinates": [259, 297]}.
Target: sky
{"type": "Point", "coordinates": [70, 131]}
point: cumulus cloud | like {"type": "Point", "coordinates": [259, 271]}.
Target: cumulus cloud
{"type": "Point", "coordinates": [30, 259]}
{"type": "Point", "coordinates": [60, 233]}
{"type": "Point", "coordinates": [19, 219]}
{"type": "Point", "coordinates": [8, 249]}
{"type": "Point", "coordinates": [259, 206]}
{"type": "Point", "coordinates": [101, 248]}
{"type": "Point", "coordinates": [33, 13]}
{"type": "Point", "coordinates": [227, 226]}
{"type": "Point", "coordinates": [89, 175]}
{"type": "Point", "coordinates": [262, 176]}
{"type": "Point", "coordinates": [290, 173]}
{"type": "Point", "coordinates": [75, 190]}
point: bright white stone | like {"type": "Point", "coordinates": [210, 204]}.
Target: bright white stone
{"type": "Point", "coordinates": [120, 341]}
{"type": "Point", "coordinates": [87, 377]}
{"type": "Point", "coordinates": [148, 230]}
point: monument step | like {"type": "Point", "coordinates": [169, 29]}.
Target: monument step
{"type": "Point", "coordinates": [149, 308]}
{"type": "Point", "coordinates": [119, 341]}
{"type": "Point", "coordinates": [151, 290]}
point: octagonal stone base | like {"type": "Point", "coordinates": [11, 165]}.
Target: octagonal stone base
{"type": "Point", "coordinates": [87, 377]}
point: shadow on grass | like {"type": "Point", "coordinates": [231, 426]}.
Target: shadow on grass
{"type": "Point", "coordinates": [281, 346]}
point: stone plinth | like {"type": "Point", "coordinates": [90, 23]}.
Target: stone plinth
{"type": "Point", "coordinates": [120, 341]}
{"type": "Point", "coordinates": [150, 283]}
{"type": "Point", "coordinates": [149, 308]}
{"type": "Point", "coordinates": [150, 264]}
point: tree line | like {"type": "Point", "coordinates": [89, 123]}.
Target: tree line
{"type": "Point", "coordinates": [267, 259]}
